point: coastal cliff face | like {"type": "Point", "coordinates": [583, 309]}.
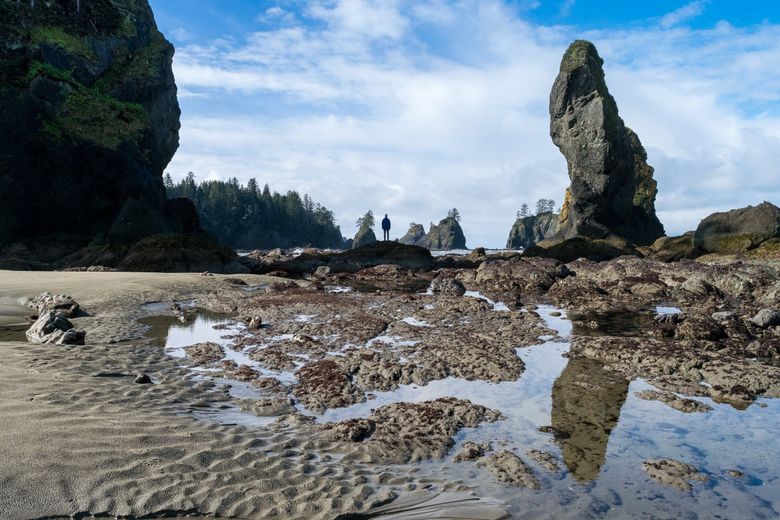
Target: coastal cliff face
{"type": "Point", "coordinates": [612, 188]}
{"type": "Point", "coordinates": [528, 231]}
{"type": "Point", "coordinates": [90, 119]}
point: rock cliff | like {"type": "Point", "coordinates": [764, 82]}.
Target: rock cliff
{"type": "Point", "coordinates": [528, 231]}
{"type": "Point", "coordinates": [612, 188]}
{"type": "Point", "coordinates": [90, 119]}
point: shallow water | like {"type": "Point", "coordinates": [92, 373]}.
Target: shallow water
{"type": "Point", "coordinates": [605, 435]}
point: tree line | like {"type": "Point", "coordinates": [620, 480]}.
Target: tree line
{"type": "Point", "coordinates": [543, 206]}
{"type": "Point", "coordinates": [250, 217]}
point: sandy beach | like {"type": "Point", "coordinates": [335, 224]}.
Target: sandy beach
{"type": "Point", "coordinates": [73, 442]}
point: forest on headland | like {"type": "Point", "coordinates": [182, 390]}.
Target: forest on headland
{"type": "Point", "coordinates": [250, 217]}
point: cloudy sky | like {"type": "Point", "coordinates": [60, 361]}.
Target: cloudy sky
{"type": "Point", "coordinates": [413, 107]}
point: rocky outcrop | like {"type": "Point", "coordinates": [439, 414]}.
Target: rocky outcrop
{"type": "Point", "coordinates": [528, 231]}
{"type": "Point", "coordinates": [445, 236]}
{"type": "Point", "coordinates": [90, 119]}
{"type": "Point", "coordinates": [414, 258]}
{"type": "Point", "coordinates": [377, 253]}
{"type": "Point", "coordinates": [415, 236]}
{"type": "Point", "coordinates": [738, 230]}
{"type": "Point", "coordinates": [612, 189]}
{"type": "Point", "coordinates": [363, 237]}
{"type": "Point", "coordinates": [597, 249]}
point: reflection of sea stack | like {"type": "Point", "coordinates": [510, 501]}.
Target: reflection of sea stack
{"type": "Point", "coordinates": [586, 405]}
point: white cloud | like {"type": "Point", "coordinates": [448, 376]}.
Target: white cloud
{"type": "Point", "coordinates": [566, 8]}
{"type": "Point", "coordinates": [385, 120]}
{"type": "Point", "coordinates": [683, 14]}
{"type": "Point", "coordinates": [181, 34]}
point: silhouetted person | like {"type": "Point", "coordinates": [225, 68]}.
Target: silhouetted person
{"type": "Point", "coordinates": [385, 228]}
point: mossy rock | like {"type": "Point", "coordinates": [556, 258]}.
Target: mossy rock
{"type": "Point", "coordinates": [738, 230]}
{"type": "Point", "coordinates": [670, 249]}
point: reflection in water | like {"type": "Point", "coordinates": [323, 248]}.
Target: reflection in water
{"type": "Point", "coordinates": [586, 403]}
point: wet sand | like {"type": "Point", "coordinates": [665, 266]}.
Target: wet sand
{"type": "Point", "coordinates": [79, 436]}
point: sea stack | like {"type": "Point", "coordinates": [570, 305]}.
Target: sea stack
{"type": "Point", "coordinates": [612, 189]}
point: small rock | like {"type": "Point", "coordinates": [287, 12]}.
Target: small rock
{"type": "Point", "coordinates": [735, 473]}
{"type": "Point", "coordinates": [143, 379]}
{"type": "Point", "coordinates": [72, 337]}
{"type": "Point", "coordinates": [722, 316]}
{"type": "Point", "coordinates": [206, 273]}
{"type": "Point", "coordinates": [766, 318]}
{"type": "Point", "coordinates": [510, 469]}
{"type": "Point", "coordinates": [472, 451]}
{"type": "Point", "coordinates": [555, 314]}
{"type": "Point", "coordinates": [447, 287]}
{"type": "Point", "coordinates": [255, 322]}
{"type": "Point", "coordinates": [673, 473]}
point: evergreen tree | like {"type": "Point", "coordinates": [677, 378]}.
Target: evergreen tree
{"type": "Point", "coordinates": [366, 221]}
{"type": "Point", "coordinates": [454, 214]}
{"type": "Point", "coordinates": [245, 218]}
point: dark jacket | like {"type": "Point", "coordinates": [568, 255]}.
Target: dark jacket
{"type": "Point", "coordinates": [386, 224]}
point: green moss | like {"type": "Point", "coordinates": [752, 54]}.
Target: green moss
{"type": "Point", "coordinates": [38, 68]}
{"type": "Point", "coordinates": [92, 116]}
{"type": "Point", "coordinates": [66, 41]}
{"type": "Point", "coordinates": [578, 54]}
{"type": "Point", "coordinates": [52, 129]}
{"type": "Point", "coordinates": [146, 63]}
{"type": "Point", "coordinates": [127, 27]}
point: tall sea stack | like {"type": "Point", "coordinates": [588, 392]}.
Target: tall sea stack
{"type": "Point", "coordinates": [612, 189]}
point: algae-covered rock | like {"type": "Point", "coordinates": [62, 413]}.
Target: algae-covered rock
{"type": "Point", "coordinates": [596, 249]}
{"type": "Point", "coordinates": [180, 253]}
{"type": "Point", "coordinates": [90, 117]}
{"type": "Point", "coordinates": [671, 249]}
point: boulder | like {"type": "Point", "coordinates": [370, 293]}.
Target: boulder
{"type": "Point", "coordinates": [612, 189]}
{"type": "Point", "coordinates": [447, 287]}
{"type": "Point", "coordinates": [766, 318]}
{"type": "Point", "coordinates": [596, 249]}
{"type": "Point", "coordinates": [738, 230]}
{"type": "Point", "coordinates": [90, 119]}
{"type": "Point", "coordinates": [671, 249]}
{"type": "Point", "coordinates": [528, 231]}
{"type": "Point", "coordinates": [53, 327]}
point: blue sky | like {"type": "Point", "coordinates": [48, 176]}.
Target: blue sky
{"type": "Point", "coordinates": [413, 107]}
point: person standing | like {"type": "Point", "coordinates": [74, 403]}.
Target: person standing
{"type": "Point", "coordinates": [386, 228]}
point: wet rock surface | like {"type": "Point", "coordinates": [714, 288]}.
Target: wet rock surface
{"type": "Point", "coordinates": [673, 473]}
{"type": "Point", "coordinates": [678, 403]}
{"type": "Point", "coordinates": [405, 432]}
{"type": "Point", "coordinates": [510, 469]}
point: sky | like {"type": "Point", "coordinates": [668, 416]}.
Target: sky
{"type": "Point", "coordinates": [413, 107]}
